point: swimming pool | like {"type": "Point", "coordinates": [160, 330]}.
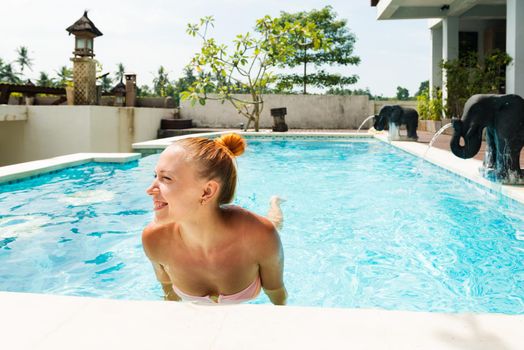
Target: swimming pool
{"type": "Point", "coordinates": [366, 226]}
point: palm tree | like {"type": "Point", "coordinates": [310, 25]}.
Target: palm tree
{"type": "Point", "coordinates": [23, 59]}
{"type": "Point", "coordinates": [161, 82]}
{"type": "Point", "coordinates": [106, 82]}
{"type": "Point", "coordinates": [64, 76]}
{"type": "Point", "coordinates": [120, 72]}
{"type": "Point", "coordinates": [8, 75]}
{"type": "Point", "coordinates": [44, 80]}
{"type": "Point", "coordinates": [1, 69]}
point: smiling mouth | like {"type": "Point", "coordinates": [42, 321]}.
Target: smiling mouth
{"type": "Point", "coordinates": [159, 205]}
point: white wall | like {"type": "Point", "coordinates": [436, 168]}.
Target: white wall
{"type": "Point", "coordinates": [303, 112]}
{"type": "Point", "coordinates": [51, 131]}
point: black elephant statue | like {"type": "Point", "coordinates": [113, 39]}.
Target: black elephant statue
{"type": "Point", "coordinates": [394, 116]}
{"type": "Point", "coordinates": [503, 118]}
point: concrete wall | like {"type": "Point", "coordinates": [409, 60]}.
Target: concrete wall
{"type": "Point", "coordinates": [51, 131]}
{"type": "Point", "coordinates": [304, 111]}
{"type": "Point", "coordinates": [379, 104]}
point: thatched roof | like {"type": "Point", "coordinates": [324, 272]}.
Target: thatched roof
{"type": "Point", "coordinates": [84, 24]}
{"type": "Point", "coordinates": [119, 88]}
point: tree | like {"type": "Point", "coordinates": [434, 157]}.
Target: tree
{"type": "Point", "coordinates": [161, 82]}
{"type": "Point", "coordinates": [422, 88]}
{"type": "Point", "coordinates": [338, 53]}
{"type": "Point", "coordinates": [106, 83]}
{"type": "Point", "coordinates": [183, 83]}
{"type": "Point", "coordinates": [248, 66]}
{"type": "Point", "coordinates": [23, 59]}
{"type": "Point", "coordinates": [65, 75]}
{"type": "Point", "coordinates": [119, 74]}
{"type": "Point", "coordinates": [402, 93]}
{"type": "Point", "coordinates": [44, 80]}
{"type": "Point", "coordinates": [144, 91]}
{"type": "Point", "coordinates": [7, 74]}
{"type": "Point", "coordinates": [342, 91]}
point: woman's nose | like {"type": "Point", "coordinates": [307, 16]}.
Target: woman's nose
{"type": "Point", "coordinates": [153, 188]}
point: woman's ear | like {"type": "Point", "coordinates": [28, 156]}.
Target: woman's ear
{"type": "Point", "coordinates": [210, 192]}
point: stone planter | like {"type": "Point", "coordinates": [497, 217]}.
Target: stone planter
{"type": "Point", "coordinates": [434, 126]}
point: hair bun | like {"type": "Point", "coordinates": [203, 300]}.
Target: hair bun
{"type": "Point", "coordinates": [233, 142]}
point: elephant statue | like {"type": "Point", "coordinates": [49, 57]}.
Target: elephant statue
{"type": "Point", "coordinates": [396, 115]}
{"type": "Point", "coordinates": [503, 118]}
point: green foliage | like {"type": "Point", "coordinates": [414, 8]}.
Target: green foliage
{"type": "Point", "coordinates": [161, 83]}
{"type": "Point", "coordinates": [65, 76]}
{"type": "Point", "coordinates": [346, 92]}
{"type": "Point", "coordinates": [339, 51]}
{"type": "Point", "coordinates": [320, 79]}
{"type": "Point", "coordinates": [104, 80]}
{"type": "Point", "coordinates": [246, 65]}
{"type": "Point", "coordinates": [430, 108]}
{"type": "Point", "coordinates": [23, 59]}
{"type": "Point", "coordinates": [182, 84]}
{"type": "Point", "coordinates": [7, 73]}
{"type": "Point", "coordinates": [144, 91]}
{"type": "Point", "coordinates": [423, 87]}
{"type": "Point", "coordinates": [45, 80]}
{"type": "Point", "coordinates": [402, 93]}
{"type": "Point", "coordinates": [106, 83]}
{"type": "Point", "coordinates": [468, 76]}
{"type": "Point", "coordinates": [120, 71]}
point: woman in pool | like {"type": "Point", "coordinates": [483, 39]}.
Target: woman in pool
{"type": "Point", "coordinates": [201, 249]}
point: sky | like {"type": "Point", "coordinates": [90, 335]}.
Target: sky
{"type": "Point", "coordinates": [146, 34]}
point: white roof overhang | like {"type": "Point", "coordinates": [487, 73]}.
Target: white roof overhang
{"type": "Point", "coordinates": [420, 9]}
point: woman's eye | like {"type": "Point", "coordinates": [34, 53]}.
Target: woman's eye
{"type": "Point", "coordinates": [166, 178]}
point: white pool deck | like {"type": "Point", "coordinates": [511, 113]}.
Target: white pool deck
{"type": "Point", "coordinates": [38, 321]}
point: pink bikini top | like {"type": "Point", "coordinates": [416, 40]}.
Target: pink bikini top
{"type": "Point", "coordinates": [251, 292]}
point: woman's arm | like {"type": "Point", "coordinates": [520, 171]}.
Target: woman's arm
{"type": "Point", "coordinates": [150, 244]}
{"type": "Point", "coordinates": [274, 213]}
{"type": "Point", "coordinates": [165, 281]}
{"type": "Point", "coordinates": [271, 264]}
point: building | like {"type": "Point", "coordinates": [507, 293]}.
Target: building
{"type": "Point", "coordinates": [458, 26]}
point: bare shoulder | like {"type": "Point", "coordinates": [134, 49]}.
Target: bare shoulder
{"type": "Point", "coordinates": [154, 238]}
{"type": "Point", "coordinates": [259, 232]}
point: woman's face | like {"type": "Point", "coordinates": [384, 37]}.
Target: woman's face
{"type": "Point", "coordinates": [177, 189]}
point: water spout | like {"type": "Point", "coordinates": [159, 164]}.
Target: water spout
{"type": "Point", "coordinates": [434, 138]}
{"type": "Point", "coordinates": [364, 122]}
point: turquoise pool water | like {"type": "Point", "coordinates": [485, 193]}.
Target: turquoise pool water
{"type": "Point", "coordinates": [366, 226]}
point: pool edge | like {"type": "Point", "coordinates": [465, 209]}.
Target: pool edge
{"type": "Point", "coordinates": [26, 170]}
{"type": "Point", "coordinates": [35, 321]}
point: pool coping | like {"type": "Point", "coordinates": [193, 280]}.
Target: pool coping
{"type": "Point", "coordinates": [41, 322]}
{"type": "Point", "coordinates": [466, 168]}
{"type": "Point", "coordinates": [38, 167]}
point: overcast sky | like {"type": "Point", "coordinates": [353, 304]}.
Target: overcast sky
{"type": "Point", "coordinates": [146, 34]}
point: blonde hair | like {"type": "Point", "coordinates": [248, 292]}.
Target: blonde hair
{"type": "Point", "coordinates": [215, 160]}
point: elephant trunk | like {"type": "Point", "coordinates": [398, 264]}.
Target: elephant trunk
{"type": "Point", "coordinates": [472, 140]}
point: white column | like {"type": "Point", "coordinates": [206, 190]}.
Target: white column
{"type": "Point", "coordinates": [450, 45]}
{"type": "Point", "coordinates": [515, 47]}
{"type": "Point", "coordinates": [436, 57]}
